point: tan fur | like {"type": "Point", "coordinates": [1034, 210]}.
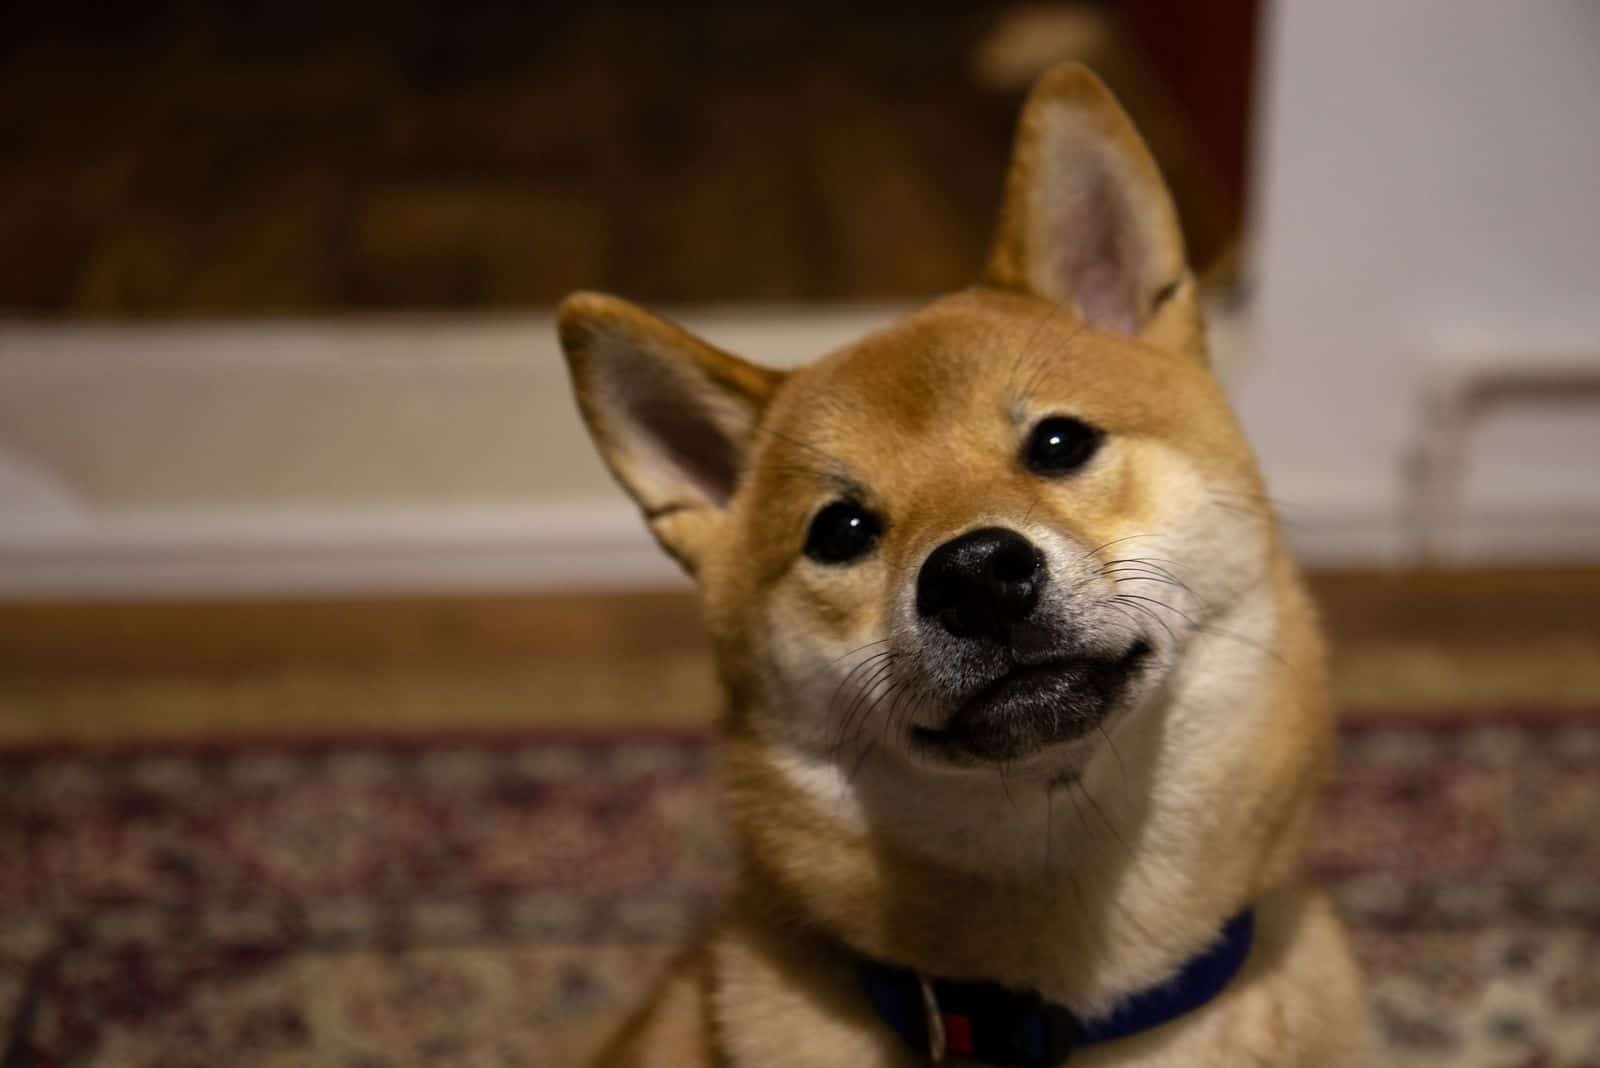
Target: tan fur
{"type": "Point", "coordinates": [1190, 803]}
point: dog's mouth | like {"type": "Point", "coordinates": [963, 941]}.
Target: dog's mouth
{"type": "Point", "coordinates": [1032, 707]}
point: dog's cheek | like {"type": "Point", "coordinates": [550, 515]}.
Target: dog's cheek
{"type": "Point", "coordinates": [1173, 514]}
{"type": "Point", "coordinates": [824, 631]}
{"type": "Point", "coordinates": [745, 574]}
{"type": "Point", "coordinates": [1216, 533]}
{"type": "Point", "coordinates": [1144, 546]}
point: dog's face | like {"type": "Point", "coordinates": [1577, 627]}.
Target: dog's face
{"type": "Point", "coordinates": [978, 536]}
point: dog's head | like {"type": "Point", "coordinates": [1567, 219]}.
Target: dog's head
{"type": "Point", "coordinates": [1011, 548]}
{"type": "Point", "coordinates": [977, 535]}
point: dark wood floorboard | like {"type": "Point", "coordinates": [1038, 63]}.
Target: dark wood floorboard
{"type": "Point", "coordinates": [1420, 644]}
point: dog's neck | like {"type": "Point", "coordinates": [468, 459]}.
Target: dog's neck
{"type": "Point", "coordinates": [1082, 889]}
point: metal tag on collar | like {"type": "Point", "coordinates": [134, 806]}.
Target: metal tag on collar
{"type": "Point", "coordinates": [930, 1012]}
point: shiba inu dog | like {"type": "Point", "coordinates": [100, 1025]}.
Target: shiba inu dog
{"type": "Point", "coordinates": [1026, 704]}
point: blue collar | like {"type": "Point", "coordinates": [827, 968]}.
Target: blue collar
{"type": "Point", "coordinates": [991, 1024]}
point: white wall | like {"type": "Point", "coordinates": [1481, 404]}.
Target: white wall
{"type": "Point", "coordinates": [1429, 190]}
{"type": "Point", "coordinates": [292, 458]}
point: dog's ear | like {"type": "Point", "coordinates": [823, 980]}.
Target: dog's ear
{"type": "Point", "coordinates": [1087, 220]}
{"type": "Point", "coordinates": [672, 416]}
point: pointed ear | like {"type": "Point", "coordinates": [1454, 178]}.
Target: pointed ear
{"type": "Point", "coordinates": [1087, 220]}
{"type": "Point", "coordinates": [671, 415]}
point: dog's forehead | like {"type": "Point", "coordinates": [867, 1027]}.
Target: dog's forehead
{"type": "Point", "coordinates": [970, 356]}
{"type": "Point", "coordinates": [917, 371]}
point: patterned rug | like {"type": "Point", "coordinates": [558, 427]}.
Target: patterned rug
{"type": "Point", "coordinates": [368, 904]}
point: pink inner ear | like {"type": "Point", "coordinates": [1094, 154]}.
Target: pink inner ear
{"type": "Point", "coordinates": [670, 421]}
{"type": "Point", "coordinates": [1094, 243]}
{"type": "Point", "coordinates": [1104, 297]}
{"type": "Point", "coordinates": [691, 443]}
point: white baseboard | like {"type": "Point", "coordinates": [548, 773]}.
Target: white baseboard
{"type": "Point", "coordinates": [598, 549]}
{"type": "Point", "coordinates": [305, 459]}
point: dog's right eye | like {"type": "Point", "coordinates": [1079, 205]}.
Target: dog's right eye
{"type": "Point", "coordinates": [1060, 445]}
{"type": "Point", "coordinates": [843, 531]}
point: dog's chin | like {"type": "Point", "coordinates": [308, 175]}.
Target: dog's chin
{"type": "Point", "coordinates": [1032, 708]}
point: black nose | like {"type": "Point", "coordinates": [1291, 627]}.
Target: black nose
{"type": "Point", "coordinates": [979, 584]}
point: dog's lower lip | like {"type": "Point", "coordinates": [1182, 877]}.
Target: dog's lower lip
{"type": "Point", "coordinates": [1021, 676]}
{"type": "Point", "coordinates": [1018, 685]}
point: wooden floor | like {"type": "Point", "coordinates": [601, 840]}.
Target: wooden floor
{"type": "Point", "coordinates": [1426, 644]}
{"type": "Point", "coordinates": [194, 158]}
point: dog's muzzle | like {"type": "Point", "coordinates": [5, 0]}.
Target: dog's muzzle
{"type": "Point", "coordinates": [1016, 677]}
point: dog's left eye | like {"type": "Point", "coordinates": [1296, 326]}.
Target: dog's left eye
{"type": "Point", "coordinates": [843, 531]}
{"type": "Point", "coordinates": [1060, 444]}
